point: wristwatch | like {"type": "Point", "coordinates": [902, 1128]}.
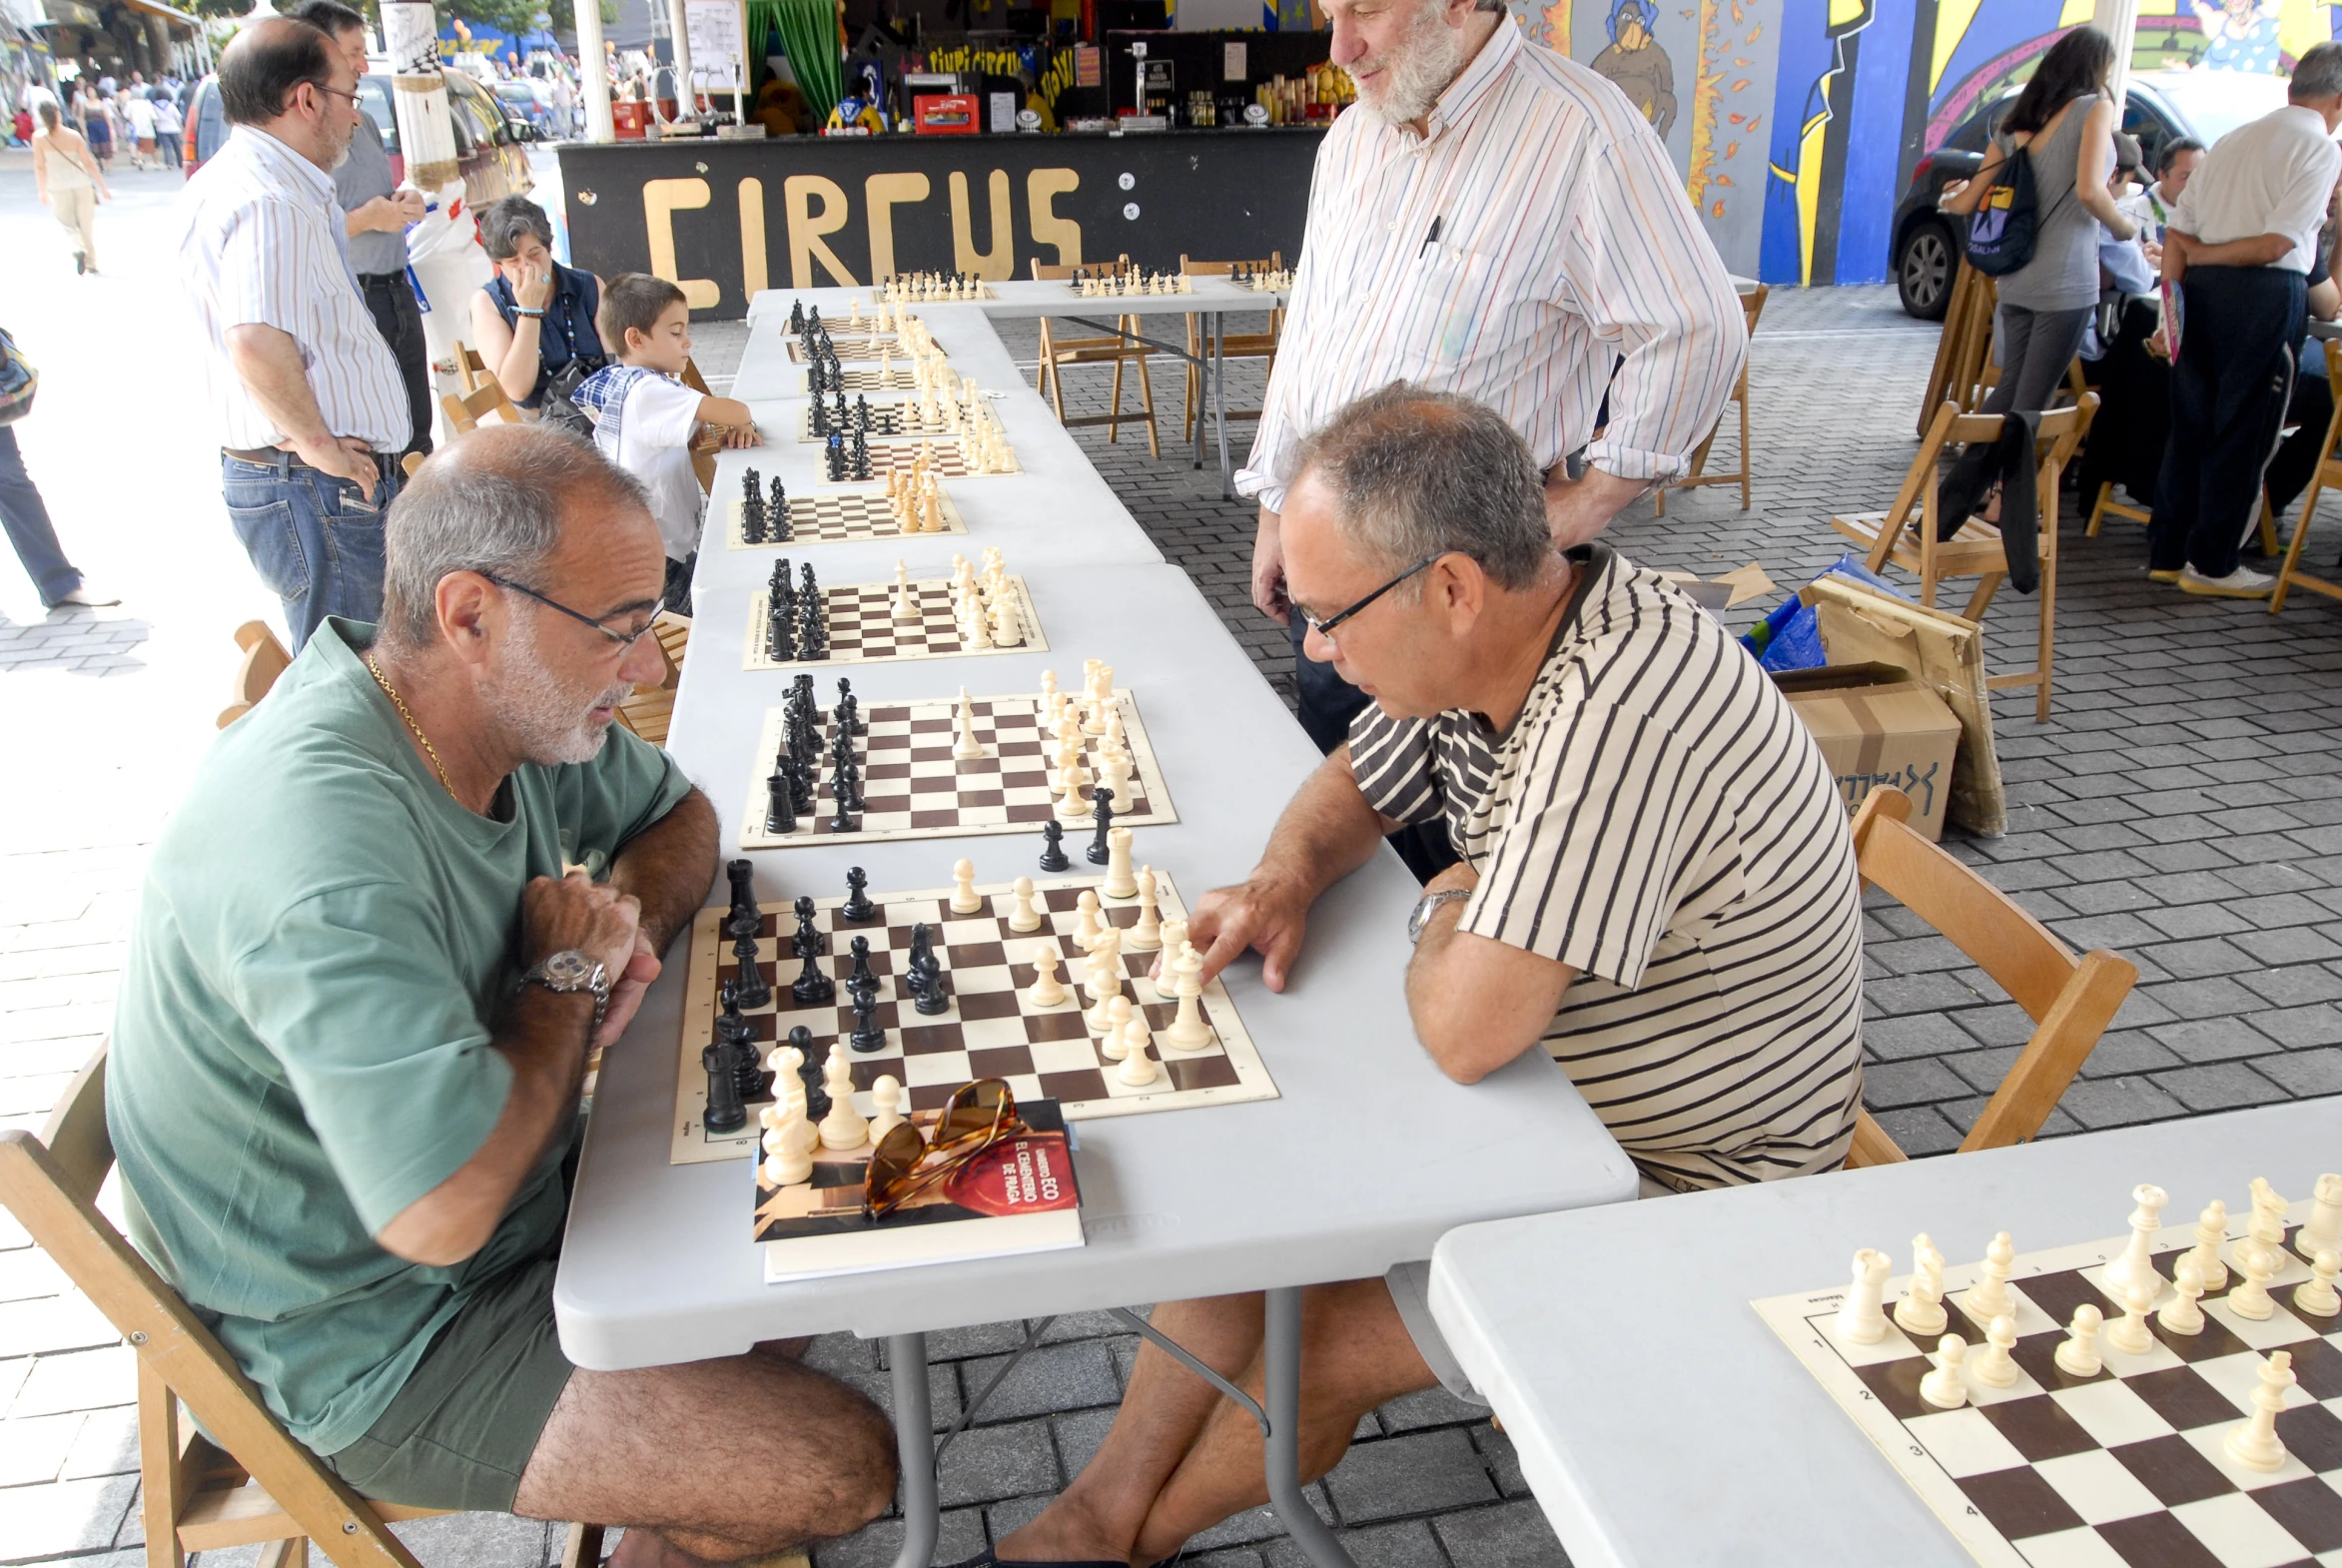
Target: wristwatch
{"type": "Point", "coordinates": [569, 971]}
{"type": "Point", "coordinates": [1425, 905]}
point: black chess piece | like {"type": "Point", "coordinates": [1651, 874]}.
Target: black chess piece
{"type": "Point", "coordinates": [1053, 849]}
{"type": "Point", "coordinates": [861, 457]}
{"type": "Point", "coordinates": [734, 1050]}
{"type": "Point", "coordinates": [743, 876]}
{"type": "Point", "coordinates": [807, 588]}
{"type": "Point", "coordinates": [835, 455]}
{"type": "Point", "coordinates": [850, 707]}
{"type": "Point", "coordinates": [781, 586]}
{"type": "Point", "coordinates": [780, 807]}
{"type": "Point", "coordinates": [811, 986]}
{"type": "Point", "coordinates": [725, 1110]}
{"type": "Point", "coordinates": [780, 637]}
{"type": "Point", "coordinates": [817, 1095]}
{"type": "Point", "coordinates": [800, 787]}
{"type": "Point", "coordinates": [796, 316]}
{"type": "Point", "coordinates": [1101, 807]}
{"type": "Point", "coordinates": [817, 417]}
{"type": "Point", "coordinates": [754, 989]}
{"type": "Point", "coordinates": [927, 987]}
{"type": "Point", "coordinates": [858, 906]}
{"type": "Point", "coordinates": [867, 1035]}
{"type": "Point", "coordinates": [812, 320]}
{"type": "Point", "coordinates": [843, 793]}
{"type": "Point", "coordinates": [812, 630]}
{"type": "Point", "coordinates": [777, 527]}
{"type": "Point", "coordinates": [861, 413]}
{"type": "Point", "coordinates": [839, 418]}
{"type": "Point", "coordinates": [860, 948]}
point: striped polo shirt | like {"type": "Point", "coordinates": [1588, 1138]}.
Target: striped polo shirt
{"type": "Point", "coordinates": [1659, 820]}
{"type": "Point", "coordinates": [1536, 238]}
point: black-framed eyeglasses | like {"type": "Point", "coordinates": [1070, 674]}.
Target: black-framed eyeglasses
{"type": "Point", "coordinates": [624, 639]}
{"type": "Point", "coordinates": [1324, 628]}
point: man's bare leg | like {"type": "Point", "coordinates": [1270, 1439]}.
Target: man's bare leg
{"type": "Point", "coordinates": [1099, 1517]}
{"type": "Point", "coordinates": [711, 1462]}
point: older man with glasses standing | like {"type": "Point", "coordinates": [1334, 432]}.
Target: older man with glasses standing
{"type": "Point", "coordinates": [1494, 220]}
{"type": "Point", "coordinates": [313, 408]}
{"type": "Point", "coordinates": [403, 902]}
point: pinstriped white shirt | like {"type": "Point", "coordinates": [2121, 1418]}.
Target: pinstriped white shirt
{"type": "Point", "coordinates": [1565, 243]}
{"type": "Point", "coordinates": [263, 243]}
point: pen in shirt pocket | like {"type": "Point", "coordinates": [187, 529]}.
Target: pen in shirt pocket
{"type": "Point", "coordinates": [1429, 240]}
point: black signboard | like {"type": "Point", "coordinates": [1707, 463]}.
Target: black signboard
{"type": "Point", "coordinates": [726, 219]}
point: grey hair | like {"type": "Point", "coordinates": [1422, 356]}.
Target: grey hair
{"type": "Point", "coordinates": [2318, 73]}
{"type": "Point", "coordinates": [1415, 472]}
{"type": "Point", "coordinates": [491, 501]}
{"type": "Point", "coordinates": [504, 221]}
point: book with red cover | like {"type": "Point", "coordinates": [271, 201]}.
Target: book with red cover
{"type": "Point", "coordinates": [1019, 1197]}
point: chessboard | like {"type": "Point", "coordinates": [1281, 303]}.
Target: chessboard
{"type": "Point", "coordinates": [942, 458]}
{"type": "Point", "coordinates": [991, 1027]}
{"type": "Point", "coordinates": [863, 630]}
{"type": "Point", "coordinates": [853, 345]}
{"type": "Point", "coordinates": [2127, 1465]}
{"type": "Point", "coordinates": [888, 422]}
{"type": "Point", "coordinates": [899, 377]}
{"type": "Point", "coordinates": [931, 289]}
{"type": "Point", "coordinates": [840, 518]}
{"type": "Point", "coordinates": [913, 788]}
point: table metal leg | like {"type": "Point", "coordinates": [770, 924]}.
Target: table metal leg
{"type": "Point", "coordinates": [1227, 488]}
{"type": "Point", "coordinates": [915, 1447]}
{"type": "Point", "coordinates": [1283, 1372]}
{"type": "Point", "coordinates": [1203, 365]}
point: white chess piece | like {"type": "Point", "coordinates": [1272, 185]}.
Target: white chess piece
{"type": "Point", "coordinates": [966, 748]}
{"type": "Point", "coordinates": [1113, 773]}
{"type": "Point", "coordinates": [2131, 1335]}
{"type": "Point", "coordinates": [1147, 935]}
{"type": "Point", "coordinates": [1943, 1387]}
{"type": "Point", "coordinates": [2316, 1295]}
{"type": "Point", "coordinates": [906, 607]}
{"type": "Point", "coordinates": [2266, 1232]}
{"type": "Point", "coordinates": [1072, 809]}
{"type": "Point", "coordinates": [964, 899]}
{"type": "Point", "coordinates": [1045, 992]}
{"type": "Point", "coordinates": [1007, 627]}
{"type": "Point", "coordinates": [1023, 916]}
{"type": "Point", "coordinates": [2136, 1265]}
{"type": "Point", "coordinates": [1119, 880]}
{"type": "Point", "coordinates": [886, 1095]}
{"type": "Point", "coordinates": [1118, 1016]}
{"type": "Point", "coordinates": [1175, 937]}
{"type": "Point", "coordinates": [1048, 691]}
{"type": "Point", "coordinates": [1188, 1031]}
{"type": "Point", "coordinates": [2322, 1232]}
{"type": "Point", "coordinates": [2253, 1441]}
{"type": "Point", "coordinates": [1920, 1311]}
{"type": "Point", "coordinates": [1086, 927]}
{"type": "Point", "coordinates": [1989, 1299]}
{"type": "Point", "coordinates": [1994, 1367]}
{"type": "Point", "coordinates": [1862, 1319]}
{"type": "Point", "coordinates": [783, 1063]}
{"type": "Point", "coordinates": [2252, 1298]}
{"type": "Point", "coordinates": [2079, 1354]}
{"type": "Point", "coordinates": [841, 1128]}
{"type": "Point", "coordinates": [1139, 1069]}
{"type": "Point", "coordinates": [1104, 976]}
{"type": "Point", "coordinates": [787, 1161]}
{"type": "Point", "coordinates": [2211, 1229]}
{"type": "Point", "coordinates": [2180, 1314]}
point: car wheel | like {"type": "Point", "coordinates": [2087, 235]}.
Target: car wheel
{"type": "Point", "coordinates": [1923, 268]}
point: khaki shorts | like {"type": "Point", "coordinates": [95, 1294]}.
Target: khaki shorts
{"type": "Point", "coordinates": [461, 1431]}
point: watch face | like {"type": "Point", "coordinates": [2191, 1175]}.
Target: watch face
{"type": "Point", "coordinates": [568, 971]}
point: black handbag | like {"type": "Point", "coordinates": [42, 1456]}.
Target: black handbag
{"type": "Point", "coordinates": [555, 409]}
{"type": "Point", "coordinates": [18, 381]}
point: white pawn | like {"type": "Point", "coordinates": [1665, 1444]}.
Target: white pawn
{"type": "Point", "coordinates": [1943, 1388]}
{"type": "Point", "coordinates": [886, 1095]}
{"type": "Point", "coordinates": [1994, 1367]}
{"type": "Point", "coordinates": [2180, 1314]}
{"type": "Point", "coordinates": [1920, 1311]}
{"type": "Point", "coordinates": [1103, 979]}
{"type": "Point", "coordinates": [2323, 1231]}
{"type": "Point", "coordinates": [1007, 627]}
{"type": "Point", "coordinates": [964, 899]}
{"type": "Point", "coordinates": [2079, 1354]}
{"type": "Point", "coordinates": [787, 1161]}
{"type": "Point", "coordinates": [1072, 808]}
{"type": "Point", "coordinates": [1147, 935]}
{"type": "Point", "coordinates": [1023, 917]}
{"type": "Point", "coordinates": [1045, 992]}
{"type": "Point", "coordinates": [1139, 1069]}
{"type": "Point", "coordinates": [2253, 1441]}
{"type": "Point", "coordinates": [2211, 1229]}
{"type": "Point", "coordinates": [841, 1128]}
{"type": "Point", "coordinates": [2131, 1337]}
{"type": "Point", "coordinates": [1188, 1031]}
{"type": "Point", "coordinates": [1862, 1319]}
{"type": "Point", "coordinates": [967, 748]}
{"type": "Point", "coordinates": [783, 1061]}
{"type": "Point", "coordinates": [1991, 1298]}
{"type": "Point", "coordinates": [1119, 882]}
{"type": "Point", "coordinates": [1048, 691]}
{"type": "Point", "coordinates": [2252, 1298]}
{"type": "Point", "coordinates": [2136, 1265]}
{"type": "Point", "coordinates": [1086, 928]}
{"type": "Point", "coordinates": [2316, 1295]}
{"type": "Point", "coordinates": [906, 607]}
{"type": "Point", "coordinates": [1117, 1015]}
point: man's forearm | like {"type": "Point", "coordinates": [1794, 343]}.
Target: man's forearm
{"type": "Point", "coordinates": [2260, 250]}
{"type": "Point", "coordinates": [267, 362]}
{"type": "Point", "coordinates": [1577, 510]}
{"type": "Point", "coordinates": [1326, 831]}
{"type": "Point", "coordinates": [669, 867]}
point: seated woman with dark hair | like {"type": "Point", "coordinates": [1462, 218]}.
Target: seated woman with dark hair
{"type": "Point", "coordinates": [534, 320]}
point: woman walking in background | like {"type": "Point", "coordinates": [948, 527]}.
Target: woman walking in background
{"type": "Point", "coordinates": [70, 185]}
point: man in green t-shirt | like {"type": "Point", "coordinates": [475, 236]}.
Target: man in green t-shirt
{"type": "Point", "coordinates": [403, 898]}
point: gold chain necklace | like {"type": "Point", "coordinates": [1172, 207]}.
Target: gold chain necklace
{"type": "Point", "coordinates": [429, 749]}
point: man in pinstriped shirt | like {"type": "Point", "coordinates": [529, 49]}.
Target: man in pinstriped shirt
{"type": "Point", "coordinates": [1493, 220]}
{"type": "Point", "coordinates": [313, 408]}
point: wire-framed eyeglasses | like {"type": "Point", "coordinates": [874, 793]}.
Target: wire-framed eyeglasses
{"type": "Point", "coordinates": [624, 639]}
{"type": "Point", "coordinates": [1324, 628]}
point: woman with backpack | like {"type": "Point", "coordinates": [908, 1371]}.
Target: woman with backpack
{"type": "Point", "coordinates": [2044, 180]}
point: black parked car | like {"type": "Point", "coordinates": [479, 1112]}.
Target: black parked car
{"type": "Point", "coordinates": [2206, 104]}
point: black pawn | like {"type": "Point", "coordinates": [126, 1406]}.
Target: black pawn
{"type": "Point", "coordinates": [777, 527]}
{"type": "Point", "coordinates": [811, 986]}
{"type": "Point", "coordinates": [780, 810]}
{"type": "Point", "coordinates": [780, 636]}
{"type": "Point", "coordinates": [860, 948]}
{"type": "Point", "coordinates": [1053, 849]}
{"type": "Point", "coordinates": [849, 708]}
{"type": "Point", "coordinates": [818, 415]}
{"type": "Point", "coordinates": [800, 787]}
{"type": "Point", "coordinates": [867, 1035]}
{"type": "Point", "coordinates": [797, 316]}
{"type": "Point", "coordinates": [927, 991]}
{"type": "Point", "coordinates": [858, 906]}
{"type": "Point", "coordinates": [861, 413]}
{"type": "Point", "coordinates": [754, 991]}
{"type": "Point", "coordinates": [817, 1095]}
{"type": "Point", "coordinates": [842, 792]}
{"type": "Point", "coordinates": [726, 1112]}
{"type": "Point", "coordinates": [1102, 808]}
{"type": "Point", "coordinates": [738, 1051]}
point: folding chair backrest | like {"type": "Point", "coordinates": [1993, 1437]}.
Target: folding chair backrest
{"type": "Point", "coordinates": [1044, 272]}
{"type": "Point", "coordinates": [1273, 262]}
{"type": "Point", "coordinates": [265, 658]}
{"type": "Point", "coordinates": [465, 413]}
{"type": "Point", "coordinates": [471, 368]}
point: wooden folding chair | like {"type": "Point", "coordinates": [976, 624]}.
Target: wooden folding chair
{"type": "Point", "coordinates": [471, 368]}
{"type": "Point", "coordinates": [1965, 349]}
{"type": "Point", "coordinates": [265, 658]}
{"type": "Point", "coordinates": [650, 709]}
{"type": "Point", "coordinates": [2106, 506]}
{"type": "Point", "coordinates": [2327, 474]}
{"type": "Point", "coordinates": [1057, 353]}
{"type": "Point", "coordinates": [1240, 346]}
{"type": "Point", "coordinates": [464, 412]}
{"type": "Point", "coordinates": [256, 1484]}
{"type": "Point", "coordinates": [1752, 306]}
{"type": "Point", "coordinates": [1905, 534]}
{"type": "Point", "coordinates": [2070, 1000]}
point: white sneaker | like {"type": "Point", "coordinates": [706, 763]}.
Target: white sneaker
{"type": "Point", "coordinates": [2242, 584]}
{"type": "Point", "coordinates": [87, 598]}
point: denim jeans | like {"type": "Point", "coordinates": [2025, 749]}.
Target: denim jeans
{"type": "Point", "coordinates": [27, 519]}
{"type": "Point", "coordinates": [316, 541]}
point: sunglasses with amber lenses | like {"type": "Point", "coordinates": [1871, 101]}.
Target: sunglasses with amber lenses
{"type": "Point", "coordinates": [906, 1163]}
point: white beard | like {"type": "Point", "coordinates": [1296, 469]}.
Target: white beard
{"type": "Point", "coordinates": [1421, 66]}
{"type": "Point", "coordinates": [547, 723]}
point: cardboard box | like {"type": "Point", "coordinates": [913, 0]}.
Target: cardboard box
{"type": "Point", "coordinates": [1895, 734]}
{"type": "Point", "coordinates": [944, 114]}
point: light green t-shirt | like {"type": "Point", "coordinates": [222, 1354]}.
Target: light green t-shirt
{"type": "Point", "coordinates": [301, 1045]}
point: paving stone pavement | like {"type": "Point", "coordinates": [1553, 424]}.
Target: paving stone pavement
{"type": "Point", "coordinates": [2183, 809]}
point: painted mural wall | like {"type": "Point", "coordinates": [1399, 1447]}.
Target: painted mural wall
{"type": "Point", "coordinates": [1797, 122]}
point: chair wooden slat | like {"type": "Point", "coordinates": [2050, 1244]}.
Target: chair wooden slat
{"type": "Point", "coordinates": [1240, 346]}
{"type": "Point", "coordinates": [2327, 476]}
{"type": "Point", "coordinates": [465, 413]}
{"type": "Point", "coordinates": [1057, 353]}
{"type": "Point", "coordinates": [1752, 306]}
{"type": "Point", "coordinates": [265, 658]}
